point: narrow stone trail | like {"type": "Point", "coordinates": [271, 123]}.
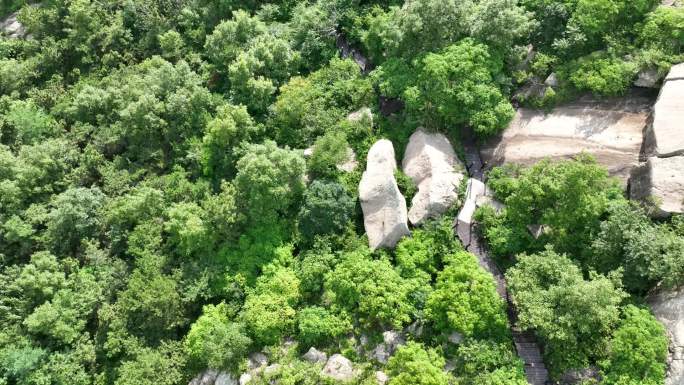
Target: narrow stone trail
{"type": "Point", "coordinates": [525, 342]}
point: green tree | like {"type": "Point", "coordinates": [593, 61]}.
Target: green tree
{"type": "Point", "coordinates": [371, 289]}
{"type": "Point", "coordinates": [214, 341]}
{"type": "Point", "coordinates": [412, 364]}
{"type": "Point", "coordinates": [317, 326]}
{"type": "Point", "coordinates": [638, 350]}
{"type": "Point", "coordinates": [327, 208]}
{"type": "Point", "coordinates": [465, 300]}
{"type": "Point", "coordinates": [75, 216]}
{"type": "Point", "coordinates": [574, 317]}
{"type": "Point", "coordinates": [270, 182]}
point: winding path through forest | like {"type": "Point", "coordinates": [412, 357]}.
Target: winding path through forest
{"type": "Point", "coordinates": [525, 342]}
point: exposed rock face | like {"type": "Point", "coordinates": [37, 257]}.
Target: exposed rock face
{"type": "Point", "coordinates": [668, 308]}
{"type": "Point", "coordinates": [339, 368]}
{"type": "Point", "coordinates": [668, 115]}
{"type": "Point", "coordinates": [611, 130]}
{"type": "Point", "coordinates": [660, 180]}
{"type": "Point", "coordinates": [11, 27]}
{"type": "Point", "coordinates": [314, 355]}
{"type": "Point", "coordinates": [430, 161]}
{"type": "Point", "coordinates": [384, 208]}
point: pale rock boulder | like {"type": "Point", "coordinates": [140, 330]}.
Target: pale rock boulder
{"type": "Point", "coordinates": [245, 378]}
{"type": "Point", "coordinates": [667, 130]}
{"type": "Point", "coordinates": [430, 161]}
{"type": "Point", "coordinates": [668, 308]}
{"type": "Point", "coordinates": [381, 378]}
{"type": "Point", "coordinates": [339, 368]}
{"type": "Point", "coordinates": [385, 215]}
{"type": "Point", "coordinates": [661, 182]}
{"type": "Point", "coordinates": [464, 222]}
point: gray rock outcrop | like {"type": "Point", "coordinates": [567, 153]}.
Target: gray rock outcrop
{"type": "Point", "coordinates": [225, 379]}
{"type": "Point", "coordinates": [668, 308]}
{"type": "Point", "coordinates": [391, 341]}
{"type": "Point", "coordinates": [385, 215]}
{"type": "Point", "coordinates": [339, 368]}
{"type": "Point", "coordinates": [207, 377]}
{"type": "Point", "coordinates": [648, 78]}
{"type": "Point", "coordinates": [12, 28]}
{"type": "Point", "coordinates": [609, 129]}
{"type": "Point", "coordinates": [660, 182]}
{"type": "Point", "coordinates": [430, 161]}
{"type": "Point", "coordinates": [314, 355]}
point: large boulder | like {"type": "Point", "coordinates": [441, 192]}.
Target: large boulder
{"type": "Point", "coordinates": [384, 208]}
{"type": "Point", "coordinates": [430, 161]}
{"type": "Point", "coordinates": [339, 368]}
{"type": "Point", "coordinates": [668, 308]}
{"type": "Point", "coordinates": [609, 129]}
{"type": "Point", "coordinates": [660, 181]}
{"type": "Point", "coordinates": [464, 221]}
{"type": "Point", "coordinates": [667, 130]}
{"type": "Point", "coordinates": [225, 378]}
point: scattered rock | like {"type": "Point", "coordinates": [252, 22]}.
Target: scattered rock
{"type": "Point", "coordinates": [552, 80]}
{"type": "Point", "coordinates": [609, 129]}
{"type": "Point", "coordinates": [257, 360]}
{"type": "Point", "coordinates": [381, 378]}
{"type": "Point", "coordinates": [225, 378]}
{"type": "Point", "coordinates": [391, 341]}
{"type": "Point", "coordinates": [455, 338]}
{"type": "Point", "coordinates": [536, 230]}
{"type": "Point", "coordinates": [430, 161]}
{"type": "Point", "coordinates": [360, 115]}
{"type": "Point", "coordinates": [589, 375]}
{"type": "Point", "coordinates": [12, 28]}
{"type": "Point", "coordinates": [207, 377]}
{"type": "Point", "coordinates": [660, 182]}
{"type": "Point", "coordinates": [668, 308]}
{"type": "Point", "coordinates": [245, 378]}
{"type": "Point", "coordinates": [314, 355]}
{"type": "Point", "coordinates": [339, 368]}
{"type": "Point", "coordinates": [415, 329]}
{"type": "Point", "coordinates": [668, 113]}
{"type": "Point", "coordinates": [384, 208]}
{"type": "Point", "coordinates": [350, 162]}
{"type": "Point", "coordinates": [271, 369]}
{"type": "Point", "coordinates": [648, 78]}
{"type": "Point", "coordinates": [308, 152]}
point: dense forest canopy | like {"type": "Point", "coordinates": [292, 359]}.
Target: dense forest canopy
{"type": "Point", "coordinates": [159, 215]}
